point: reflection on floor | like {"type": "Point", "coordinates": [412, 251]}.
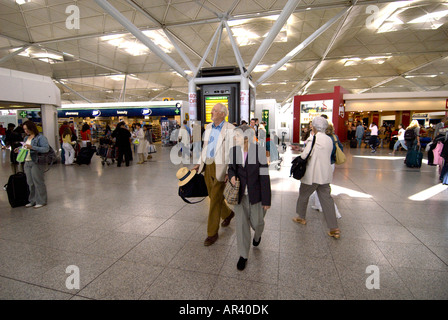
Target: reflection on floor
{"type": "Point", "coordinates": [132, 237]}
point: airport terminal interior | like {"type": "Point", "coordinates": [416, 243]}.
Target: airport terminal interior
{"type": "Point", "coordinates": [110, 232]}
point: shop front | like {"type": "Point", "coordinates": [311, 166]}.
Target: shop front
{"type": "Point", "coordinates": [100, 118]}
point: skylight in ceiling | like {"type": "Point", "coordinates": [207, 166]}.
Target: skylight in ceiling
{"type": "Point", "coordinates": [41, 55]}
{"type": "Point", "coordinates": [369, 60]}
{"type": "Point", "coordinates": [400, 15]}
{"type": "Point", "coordinates": [134, 47]}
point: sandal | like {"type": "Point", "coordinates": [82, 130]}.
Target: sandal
{"type": "Point", "coordinates": [299, 220]}
{"type": "Point", "coordinates": [335, 234]}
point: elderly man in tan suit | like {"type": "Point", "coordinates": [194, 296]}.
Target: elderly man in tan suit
{"type": "Point", "coordinates": [218, 140]}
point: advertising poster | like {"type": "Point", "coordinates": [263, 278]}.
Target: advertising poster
{"type": "Point", "coordinates": [311, 109]}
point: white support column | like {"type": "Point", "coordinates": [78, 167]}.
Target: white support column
{"type": "Point", "coordinates": [207, 51]}
{"type": "Point", "coordinates": [49, 115]}
{"type": "Point", "coordinates": [136, 32]}
{"type": "Point", "coordinates": [244, 99]}
{"type": "Point", "coordinates": [218, 45]}
{"type": "Point", "coordinates": [278, 25]}
{"type": "Point", "coordinates": [301, 46]}
{"type": "Point", "coordinates": [236, 51]}
{"type": "Point", "coordinates": [192, 100]}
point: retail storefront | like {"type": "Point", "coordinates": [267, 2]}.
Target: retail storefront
{"type": "Point", "coordinates": [99, 118]}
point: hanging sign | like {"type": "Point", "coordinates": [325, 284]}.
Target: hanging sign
{"type": "Point", "coordinates": [341, 110]}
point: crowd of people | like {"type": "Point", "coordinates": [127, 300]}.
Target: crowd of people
{"type": "Point", "coordinates": [230, 153]}
{"type": "Point", "coordinates": [246, 161]}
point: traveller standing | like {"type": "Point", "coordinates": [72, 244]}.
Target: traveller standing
{"type": "Point", "coordinates": [123, 142]}
{"type": "Point", "coordinates": [148, 139]}
{"type": "Point", "coordinates": [86, 136]}
{"type": "Point", "coordinates": [439, 126]}
{"type": "Point", "coordinates": [248, 164]}
{"type": "Point", "coordinates": [359, 134]}
{"type": "Point", "coordinates": [140, 142]}
{"type": "Point", "coordinates": [214, 163]}
{"type": "Point", "coordinates": [412, 135]}
{"type": "Point", "coordinates": [382, 135]}
{"type": "Point", "coordinates": [184, 139]}
{"type": "Point", "coordinates": [318, 177]}
{"type": "Point", "coordinates": [35, 143]}
{"type": "Point", "coordinates": [373, 140]}
{"type": "Point", "coordinates": [67, 145]}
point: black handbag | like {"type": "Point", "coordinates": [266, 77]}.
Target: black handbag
{"type": "Point", "coordinates": [47, 158]}
{"type": "Point", "coordinates": [195, 188]}
{"type": "Point", "coordinates": [298, 165]}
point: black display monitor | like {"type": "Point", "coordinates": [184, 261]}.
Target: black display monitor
{"type": "Point", "coordinates": [225, 93]}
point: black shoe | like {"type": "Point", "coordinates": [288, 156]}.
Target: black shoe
{"type": "Point", "coordinates": [227, 220]}
{"type": "Point", "coordinates": [256, 243]}
{"type": "Point", "coordinates": [241, 264]}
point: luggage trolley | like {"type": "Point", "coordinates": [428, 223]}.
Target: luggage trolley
{"type": "Point", "coordinates": [106, 151]}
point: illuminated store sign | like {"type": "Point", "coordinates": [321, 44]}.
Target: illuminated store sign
{"type": "Point", "coordinates": [129, 112]}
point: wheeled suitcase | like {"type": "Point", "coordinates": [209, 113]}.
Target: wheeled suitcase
{"type": "Point", "coordinates": [414, 158]}
{"type": "Point", "coordinates": [18, 190]}
{"type": "Point", "coordinates": [353, 143]}
{"type": "Point", "coordinates": [85, 155]}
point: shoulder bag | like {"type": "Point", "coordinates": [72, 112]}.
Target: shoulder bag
{"type": "Point", "coordinates": [298, 167]}
{"type": "Point", "coordinates": [340, 155]}
{"type": "Point", "coordinates": [232, 192]}
{"type": "Point", "coordinates": [196, 187]}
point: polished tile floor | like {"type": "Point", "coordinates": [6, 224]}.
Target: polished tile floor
{"type": "Point", "coordinates": [132, 237]}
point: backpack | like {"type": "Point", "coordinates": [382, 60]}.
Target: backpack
{"type": "Point", "coordinates": [409, 135]}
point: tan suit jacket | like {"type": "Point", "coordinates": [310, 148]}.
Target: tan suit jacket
{"type": "Point", "coordinates": [222, 150]}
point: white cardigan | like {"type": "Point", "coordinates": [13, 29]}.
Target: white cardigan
{"type": "Point", "coordinates": [318, 169]}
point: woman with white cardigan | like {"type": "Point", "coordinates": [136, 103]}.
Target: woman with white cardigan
{"type": "Point", "coordinates": [318, 177]}
{"type": "Point", "coordinates": [139, 136]}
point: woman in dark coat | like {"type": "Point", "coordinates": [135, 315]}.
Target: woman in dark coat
{"type": "Point", "coordinates": [123, 142]}
{"type": "Point", "coordinates": [249, 164]}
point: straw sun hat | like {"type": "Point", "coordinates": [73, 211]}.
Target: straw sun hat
{"type": "Point", "coordinates": [184, 175]}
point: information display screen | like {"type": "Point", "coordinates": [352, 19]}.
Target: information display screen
{"type": "Point", "coordinates": [210, 102]}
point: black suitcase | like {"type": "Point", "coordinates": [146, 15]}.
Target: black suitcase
{"type": "Point", "coordinates": [85, 155]}
{"type": "Point", "coordinates": [18, 190]}
{"type": "Point", "coordinates": [353, 143]}
{"type": "Point", "coordinates": [414, 158]}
